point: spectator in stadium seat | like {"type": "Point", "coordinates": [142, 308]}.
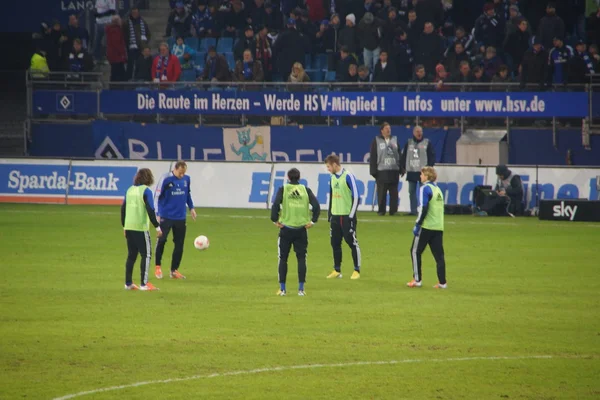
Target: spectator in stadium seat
{"type": "Point", "coordinates": [594, 53]}
{"type": "Point", "coordinates": [580, 64]}
{"type": "Point", "coordinates": [464, 75]}
{"type": "Point", "coordinates": [391, 24]}
{"type": "Point", "coordinates": [137, 36]}
{"type": "Point", "coordinates": [248, 69]}
{"type": "Point", "coordinates": [216, 68]}
{"type": "Point", "coordinates": [47, 41]}
{"type": "Point", "coordinates": [256, 13]}
{"type": "Point", "coordinates": [420, 80]}
{"type": "Point", "coordinates": [289, 48]}
{"type": "Point", "coordinates": [455, 58]}
{"type": "Point", "coordinates": [346, 59]}
{"type": "Point", "coordinates": [180, 49]}
{"type": "Point", "coordinates": [489, 28]}
{"type": "Point", "coordinates": [180, 21]}
{"type": "Point", "coordinates": [430, 48]}
{"type": "Point", "coordinates": [401, 54]}
{"type": "Point", "coordinates": [116, 52]}
{"type": "Point", "coordinates": [319, 44]}
{"type": "Point", "coordinates": [430, 10]}
{"type": "Point", "coordinates": [273, 18]}
{"type": "Point", "coordinates": [203, 23]}
{"type": "Point", "coordinates": [558, 62]}
{"type": "Point", "coordinates": [364, 77]}
{"type": "Point", "coordinates": [143, 66]}
{"type": "Point", "coordinates": [491, 62]}
{"type": "Point", "coordinates": [297, 77]}
{"type": "Point", "coordinates": [348, 36]}
{"type": "Point", "coordinates": [105, 9]}
{"type": "Point", "coordinates": [550, 26]}
{"type": "Point", "coordinates": [165, 67]}
{"type": "Point", "coordinates": [247, 42]}
{"type": "Point", "coordinates": [414, 28]}
{"type": "Point", "coordinates": [441, 78]}
{"type": "Point", "coordinates": [352, 76]}
{"type": "Point", "coordinates": [234, 19]}
{"type": "Point", "coordinates": [370, 32]}
{"type": "Point", "coordinates": [480, 77]}
{"type": "Point", "coordinates": [78, 60]}
{"type": "Point", "coordinates": [517, 43]}
{"type": "Point", "coordinates": [385, 69]}
{"type": "Point", "coordinates": [263, 51]}
{"type": "Point", "coordinates": [501, 76]}
{"type": "Point", "coordinates": [512, 25]}
{"type": "Point", "coordinates": [330, 36]}
{"type": "Point", "coordinates": [534, 67]}
{"type": "Point", "coordinates": [308, 29]}
{"type": "Point", "coordinates": [75, 31]}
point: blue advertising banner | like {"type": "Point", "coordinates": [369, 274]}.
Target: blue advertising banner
{"type": "Point", "coordinates": [64, 102]}
{"type": "Point", "coordinates": [262, 143]}
{"type": "Point", "coordinates": [424, 104]}
{"type": "Point", "coordinates": [333, 103]}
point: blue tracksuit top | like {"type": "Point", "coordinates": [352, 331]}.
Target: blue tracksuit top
{"type": "Point", "coordinates": [171, 197]}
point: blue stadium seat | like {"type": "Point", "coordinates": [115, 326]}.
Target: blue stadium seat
{"type": "Point", "coordinates": [171, 42]}
{"type": "Point", "coordinates": [230, 60]}
{"type": "Point", "coordinates": [330, 76]}
{"type": "Point", "coordinates": [200, 59]}
{"type": "Point", "coordinates": [192, 42]}
{"type": "Point", "coordinates": [188, 75]}
{"type": "Point", "coordinates": [315, 75]}
{"type": "Point", "coordinates": [225, 45]}
{"type": "Point", "coordinates": [206, 43]}
{"type": "Point", "coordinates": [320, 61]}
{"type": "Point", "coordinates": [307, 61]}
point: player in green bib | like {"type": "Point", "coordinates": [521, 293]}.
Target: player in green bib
{"type": "Point", "coordinates": [429, 229]}
{"type": "Point", "coordinates": [137, 212]}
{"type": "Point", "coordinates": [291, 214]}
{"type": "Point", "coordinates": [343, 203]}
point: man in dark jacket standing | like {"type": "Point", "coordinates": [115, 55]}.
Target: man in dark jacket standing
{"type": "Point", "coordinates": [385, 168]}
{"type": "Point", "coordinates": [417, 153]}
{"type": "Point", "coordinates": [551, 26]}
{"type": "Point", "coordinates": [534, 67]}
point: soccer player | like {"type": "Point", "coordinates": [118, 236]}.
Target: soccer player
{"type": "Point", "coordinates": [343, 203]}
{"type": "Point", "coordinates": [171, 197]}
{"type": "Point", "coordinates": [429, 229]}
{"type": "Point", "coordinates": [290, 213]}
{"type": "Point", "coordinates": [136, 213]}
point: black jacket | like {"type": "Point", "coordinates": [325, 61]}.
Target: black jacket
{"type": "Point", "coordinates": [382, 176]}
{"type": "Point", "coordinates": [514, 191]}
{"type": "Point", "coordinates": [416, 176]}
{"type": "Point", "coordinates": [534, 68]}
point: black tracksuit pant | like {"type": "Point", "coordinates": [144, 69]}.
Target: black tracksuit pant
{"type": "Point", "coordinates": [179, 229]}
{"type": "Point", "coordinates": [435, 240]}
{"type": "Point", "coordinates": [288, 238]}
{"type": "Point", "coordinates": [383, 188]}
{"type": "Point", "coordinates": [344, 227]}
{"type": "Point", "coordinates": [138, 242]}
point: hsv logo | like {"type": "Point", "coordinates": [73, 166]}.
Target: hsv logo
{"type": "Point", "coordinates": [564, 211]}
{"type": "Point", "coordinates": [64, 102]}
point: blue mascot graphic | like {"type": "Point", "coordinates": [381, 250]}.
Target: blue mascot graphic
{"type": "Point", "coordinates": [246, 147]}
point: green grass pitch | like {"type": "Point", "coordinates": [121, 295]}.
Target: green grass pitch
{"type": "Point", "coordinates": [520, 319]}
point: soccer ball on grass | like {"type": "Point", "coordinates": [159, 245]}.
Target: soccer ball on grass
{"type": "Point", "coordinates": [201, 242]}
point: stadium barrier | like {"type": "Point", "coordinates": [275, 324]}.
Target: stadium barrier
{"type": "Point", "coordinates": [254, 184]}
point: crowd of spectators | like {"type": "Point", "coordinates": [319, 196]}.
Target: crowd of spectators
{"type": "Point", "coordinates": [432, 42]}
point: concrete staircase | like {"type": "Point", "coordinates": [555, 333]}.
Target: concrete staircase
{"type": "Point", "coordinates": [157, 17]}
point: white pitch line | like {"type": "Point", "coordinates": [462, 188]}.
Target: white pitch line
{"type": "Point", "coordinates": [383, 220]}
{"type": "Point", "coordinates": [310, 366]}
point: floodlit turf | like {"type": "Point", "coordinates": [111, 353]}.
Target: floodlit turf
{"type": "Point", "coordinates": [518, 289]}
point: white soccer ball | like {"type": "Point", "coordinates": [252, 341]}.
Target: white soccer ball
{"type": "Point", "coordinates": [201, 242]}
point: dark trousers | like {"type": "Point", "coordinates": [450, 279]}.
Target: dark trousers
{"type": "Point", "coordinates": [132, 57]}
{"type": "Point", "coordinates": [117, 72]}
{"type": "Point", "coordinates": [138, 242]}
{"type": "Point", "coordinates": [383, 188]}
{"type": "Point", "coordinates": [344, 227]}
{"type": "Point", "coordinates": [179, 228]}
{"type": "Point", "coordinates": [435, 240]}
{"type": "Point", "coordinates": [413, 188]}
{"type": "Point", "coordinates": [298, 238]}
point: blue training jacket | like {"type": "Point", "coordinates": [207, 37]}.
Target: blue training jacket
{"type": "Point", "coordinates": [171, 197]}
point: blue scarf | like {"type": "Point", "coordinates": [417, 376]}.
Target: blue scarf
{"type": "Point", "coordinates": [161, 67]}
{"type": "Point", "coordinates": [76, 62]}
{"type": "Point", "coordinates": [133, 44]}
{"type": "Point", "coordinates": [248, 70]}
